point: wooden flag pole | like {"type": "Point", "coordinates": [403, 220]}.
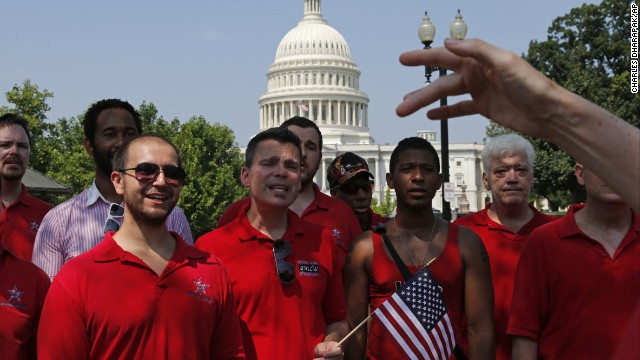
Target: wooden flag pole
{"type": "Point", "coordinates": [354, 330]}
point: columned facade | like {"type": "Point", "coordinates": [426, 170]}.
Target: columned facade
{"type": "Point", "coordinates": [313, 75]}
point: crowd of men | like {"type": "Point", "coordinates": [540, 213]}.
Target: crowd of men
{"type": "Point", "coordinates": [292, 273]}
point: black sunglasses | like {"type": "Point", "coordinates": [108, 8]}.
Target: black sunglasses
{"type": "Point", "coordinates": [286, 271]}
{"type": "Point", "coordinates": [148, 172]}
{"type": "Point", "coordinates": [111, 224]}
{"type": "Point", "coordinates": [352, 187]}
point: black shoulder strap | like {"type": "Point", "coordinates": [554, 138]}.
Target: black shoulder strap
{"type": "Point", "coordinates": [406, 274]}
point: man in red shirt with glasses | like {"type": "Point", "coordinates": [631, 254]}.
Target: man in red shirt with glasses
{"type": "Point", "coordinates": [350, 181]}
{"type": "Point", "coordinates": [142, 293]}
{"type": "Point", "coordinates": [286, 278]}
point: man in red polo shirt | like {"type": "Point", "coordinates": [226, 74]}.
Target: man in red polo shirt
{"type": "Point", "coordinates": [142, 293]}
{"type": "Point", "coordinates": [23, 287]}
{"type": "Point", "coordinates": [453, 254]}
{"type": "Point", "coordinates": [577, 286]}
{"type": "Point", "coordinates": [350, 181]}
{"type": "Point", "coordinates": [311, 204]}
{"type": "Point", "coordinates": [21, 212]}
{"type": "Point", "coordinates": [505, 224]}
{"type": "Point", "coordinates": [286, 279]}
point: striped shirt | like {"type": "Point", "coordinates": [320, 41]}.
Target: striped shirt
{"type": "Point", "coordinates": [77, 225]}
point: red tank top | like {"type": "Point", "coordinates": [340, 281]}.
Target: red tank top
{"type": "Point", "coordinates": [446, 270]}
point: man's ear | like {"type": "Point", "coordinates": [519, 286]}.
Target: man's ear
{"type": "Point", "coordinates": [87, 146]}
{"type": "Point", "coordinates": [580, 173]}
{"type": "Point", "coordinates": [485, 181]}
{"type": "Point", "coordinates": [389, 180]}
{"type": "Point", "coordinates": [117, 179]}
{"type": "Point", "coordinates": [244, 176]}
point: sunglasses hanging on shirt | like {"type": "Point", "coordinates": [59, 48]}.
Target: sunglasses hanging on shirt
{"type": "Point", "coordinates": [286, 271]}
{"type": "Point", "coordinates": [111, 224]}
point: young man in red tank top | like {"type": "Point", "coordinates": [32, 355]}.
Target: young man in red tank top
{"type": "Point", "coordinates": [456, 257]}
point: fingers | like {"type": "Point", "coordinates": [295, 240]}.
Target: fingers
{"type": "Point", "coordinates": [431, 57]}
{"type": "Point", "coordinates": [461, 108]}
{"type": "Point", "coordinates": [449, 85]}
{"type": "Point", "coordinates": [481, 51]}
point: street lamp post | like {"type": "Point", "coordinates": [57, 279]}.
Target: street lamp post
{"type": "Point", "coordinates": [427, 32]}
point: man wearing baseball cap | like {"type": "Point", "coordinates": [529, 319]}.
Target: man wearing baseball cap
{"type": "Point", "coordinates": [350, 181]}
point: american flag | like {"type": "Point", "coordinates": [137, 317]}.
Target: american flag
{"type": "Point", "coordinates": [416, 317]}
{"type": "Point", "coordinates": [303, 107]}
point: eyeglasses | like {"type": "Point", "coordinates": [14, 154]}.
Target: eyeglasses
{"type": "Point", "coordinates": [111, 224]}
{"type": "Point", "coordinates": [286, 271]}
{"type": "Point", "coordinates": [352, 187]}
{"type": "Point", "coordinates": [148, 172]}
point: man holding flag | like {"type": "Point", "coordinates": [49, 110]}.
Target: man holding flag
{"type": "Point", "coordinates": [445, 308]}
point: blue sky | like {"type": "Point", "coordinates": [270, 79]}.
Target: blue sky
{"type": "Point", "coordinates": [210, 58]}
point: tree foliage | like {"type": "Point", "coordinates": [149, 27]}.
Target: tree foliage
{"type": "Point", "coordinates": [209, 153]}
{"type": "Point", "coordinates": [387, 207]}
{"type": "Point", "coordinates": [586, 51]}
{"type": "Point", "coordinates": [213, 162]}
{"type": "Point", "coordinates": [31, 103]}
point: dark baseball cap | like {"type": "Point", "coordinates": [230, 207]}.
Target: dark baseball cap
{"type": "Point", "coordinates": [344, 167]}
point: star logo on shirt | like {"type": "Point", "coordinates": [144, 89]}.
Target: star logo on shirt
{"type": "Point", "coordinates": [15, 295]}
{"type": "Point", "coordinates": [201, 287]}
{"type": "Point", "coordinates": [336, 233]}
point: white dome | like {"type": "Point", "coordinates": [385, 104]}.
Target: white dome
{"type": "Point", "coordinates": [313, 76]}
{"type": "Point", "coordinates": [313, 37]}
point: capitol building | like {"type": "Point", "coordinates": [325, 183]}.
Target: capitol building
{"type": "Point", "coordinates": [314, 76]}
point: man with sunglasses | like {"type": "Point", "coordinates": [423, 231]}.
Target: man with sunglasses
{"type": "Point", "coordinates": [79, 223]}
{"type": "Point", "coordinates": [142, 293]}
{"type": "Point", "coordinates": [350, 181]}
{"type": "Point", "coordinates": [286, 277]}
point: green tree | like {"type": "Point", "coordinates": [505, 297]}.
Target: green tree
{"type": "Point", "coordinates": [151, 124]}
{"type": "Point", "coordinates": [212, 161]}
{"type": "Point", "coordinates": [586, 51]}
{"type": "Point", "coordinates": [69, 162]}
{"type": "Point", "coordinates": [387, 207]}
{"type": "Point", "coordinates": [31, 103]}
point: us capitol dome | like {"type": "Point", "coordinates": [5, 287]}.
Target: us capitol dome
{"type": "Point", "coordinates": [313, 75]}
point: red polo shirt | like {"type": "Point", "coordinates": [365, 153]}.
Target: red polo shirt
{"type": "Point", "coordinates": [280, 321]}
{"type": "Point", "coordinates": [19, 223]}
{"type": "Point", "coordinates": [23, 288]}
{"type": "Point", "coordinates": [376, 219]}
{"type": "Point", "coordinates": [332, 213]}
{"type": "Point", "coordinates": [572, 298]}
{"type": "Point", "coordinates": [108, 304]}
{"type": "Point", "coordinates": [504, 248]}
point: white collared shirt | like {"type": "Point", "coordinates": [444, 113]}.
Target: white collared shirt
{"type": "Point", "coordinates": [77, 225]}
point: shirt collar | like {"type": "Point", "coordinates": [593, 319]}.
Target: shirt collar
{"type": "Point", "coordinates": [24, 197]}
{"type": "Point", "coordinates": [319, 200]}
{"type": "Point", "coordinates": [572, 227]}
{"type": "Point", "coordinates": [484, 219]}
{"type": "Point", "coordinates": [93, 195]}
{"type": "Point", "coordinates": [245, 231]}
{"type": "Point", "coordinates": [108, 250]}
